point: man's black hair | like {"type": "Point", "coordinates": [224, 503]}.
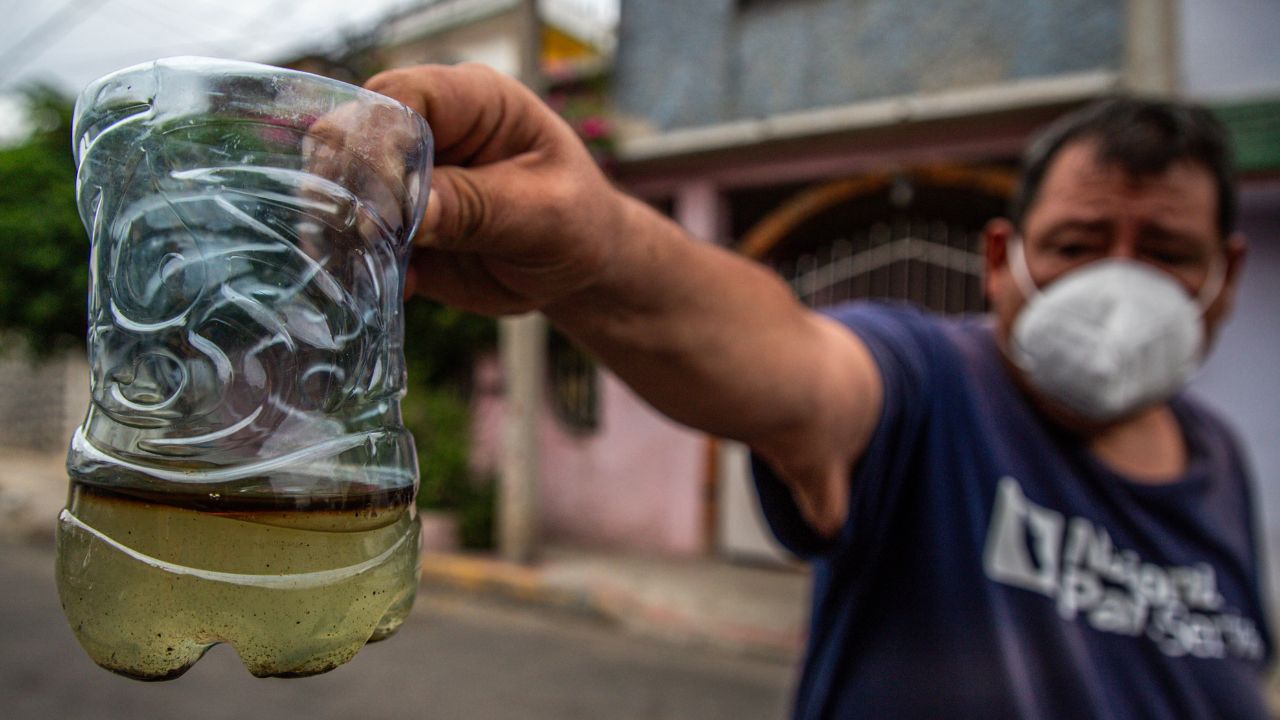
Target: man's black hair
{"type": "Point", "coordinates": [1141, 136]}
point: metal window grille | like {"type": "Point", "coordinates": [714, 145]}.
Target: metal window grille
{"type": "Point", "coordinates": [926, 262]}
{"type": "Point", "coordinates": [573, 385]}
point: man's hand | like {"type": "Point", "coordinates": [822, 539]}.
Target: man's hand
{"type": "Point", "coordinates": [520, 216]}
{"type": "Point", "coordinates": [521, 219]}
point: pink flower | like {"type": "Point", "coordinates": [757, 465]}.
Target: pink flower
{"type": "Point", "coordinates": [594, 128]}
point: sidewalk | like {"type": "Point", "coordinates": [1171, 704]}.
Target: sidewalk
{"type": "Point", "coordinates": [758, 611]}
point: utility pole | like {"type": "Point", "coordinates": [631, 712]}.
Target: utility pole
{"type": "Point", "coordinates": [522, 345]}
{"type": "Point", "coordinates": [1151, 63]}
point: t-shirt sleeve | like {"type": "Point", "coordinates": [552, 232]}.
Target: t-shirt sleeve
{"type": "Point", "coordinates": [904, 343]}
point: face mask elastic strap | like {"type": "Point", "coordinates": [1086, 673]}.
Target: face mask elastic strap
{"type": "Point", "coordinates": [1208, 294]}
{"type": "Point", "coordinates": [1018, 267]}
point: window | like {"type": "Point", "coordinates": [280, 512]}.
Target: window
{"type": "Point", "coordinates": [913, 236]}
{"type": "Point", "coordinates": [574, 384]}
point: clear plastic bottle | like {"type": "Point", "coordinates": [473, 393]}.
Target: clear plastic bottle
{"type": "Point", "coordinates": [242, 474]}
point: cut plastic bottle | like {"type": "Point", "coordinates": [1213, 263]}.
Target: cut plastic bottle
{"type": "Point", "coordinates": [242, 475]}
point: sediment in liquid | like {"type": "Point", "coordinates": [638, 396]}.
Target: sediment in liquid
{"type": "Point", "coordinates": [149, 582]}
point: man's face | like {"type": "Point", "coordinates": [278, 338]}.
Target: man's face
{"type": "Point", "coordinates": [1087, 211]}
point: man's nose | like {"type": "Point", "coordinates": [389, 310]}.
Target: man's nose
{"type": "Point", "coordinates": [1124, 246]}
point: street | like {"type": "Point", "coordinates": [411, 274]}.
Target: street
{"type": "Point", "coordinates": [457, 656]}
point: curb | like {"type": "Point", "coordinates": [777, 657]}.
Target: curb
{"type": "Point", "coordinates": [604, 601]}
{"type": "Point", "coordinates": [477, 574]}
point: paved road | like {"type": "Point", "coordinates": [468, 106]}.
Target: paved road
{"type": "Point", "coordinates": [456, 657]}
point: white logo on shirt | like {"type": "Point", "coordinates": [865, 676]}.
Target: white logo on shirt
{"type": "Point", "coordinates": [1074, 562]}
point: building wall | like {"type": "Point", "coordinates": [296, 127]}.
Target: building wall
{"type": "Point", "coordinates": [41, 401]}
{"type": "Point", "coordinates": [735, 59]}
{"type": "Point", "coordinates": [1240, 377]}
{"type": "Point", "coordinates": [1228, 48]}
{"type": "Point", "coordinates": [494, 41]}
{"type": "Point", "coordinates": [635, 483]}
{"type": "Point", "coordinates": [1228, 53]}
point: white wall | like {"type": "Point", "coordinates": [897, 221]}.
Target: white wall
{"type": "Point", "coordinates": [1229, 48]}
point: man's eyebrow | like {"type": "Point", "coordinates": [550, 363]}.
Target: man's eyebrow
{"type": "Point", "coordinates": [1089, 226]}
{"type": "Point", "coordinates": [1167, 235]}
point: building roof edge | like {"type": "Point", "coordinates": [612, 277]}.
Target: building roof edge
{"type": "Point", "coordinates": [884, 112]}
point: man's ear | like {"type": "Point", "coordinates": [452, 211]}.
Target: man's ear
{"type": "Point", "coordinates": [996, 236]}
{"type": "Point", "coordinates": [1236, 251]}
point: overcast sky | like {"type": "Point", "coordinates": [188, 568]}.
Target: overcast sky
{"type": "Point", "coordinates": [72, 42]}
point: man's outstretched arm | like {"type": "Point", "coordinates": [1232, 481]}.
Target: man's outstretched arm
{"type": "Point", "coordinates": [522, 219]}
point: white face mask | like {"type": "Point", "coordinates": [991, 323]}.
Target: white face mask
{"type": "Point", "coordinates": [1109, 338]}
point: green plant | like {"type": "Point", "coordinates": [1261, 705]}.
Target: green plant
{"type": "Point", "coordinates": [440, 422]}
{"type": "Point", "coordinates": [441, 347]}
{"type": "Point", "coordinates": [44, 251]}
{"type": "Point", "coordinates": [583, 103]}
{"type": "Point", "coordinates": [441, 343]}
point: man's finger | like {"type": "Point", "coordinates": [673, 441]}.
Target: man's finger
{"type": "Point", "coordinates": [481, 209]}
{"type": "Point", "coordinates": [464, 282]}
{"type": "Point", "coordinates": [476, 114]}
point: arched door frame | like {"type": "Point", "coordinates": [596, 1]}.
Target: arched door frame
{"type": "Point", "coordinates": [771, 230]}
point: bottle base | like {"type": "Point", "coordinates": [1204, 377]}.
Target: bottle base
{"type": "Point", "coordinates": [148, 589]}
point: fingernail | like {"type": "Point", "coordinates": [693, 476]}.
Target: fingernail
{"type": "Point", "coordinates": [424, 238]}
{"type": "Point", "coordinates": [432, 217]}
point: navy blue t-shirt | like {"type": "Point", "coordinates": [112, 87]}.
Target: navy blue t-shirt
{"type": "Point", "coordinates": [991, 567]}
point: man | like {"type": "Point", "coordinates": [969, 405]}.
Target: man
{"type": "Point", "coordinates": [1014, 518]}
